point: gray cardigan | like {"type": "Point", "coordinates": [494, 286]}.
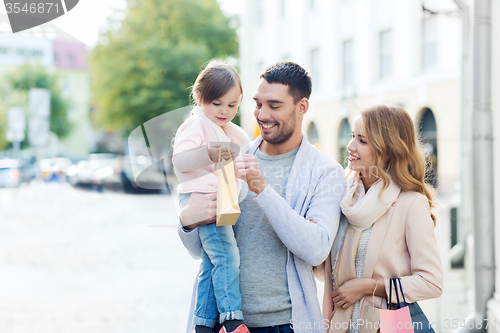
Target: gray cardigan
{"type": "Point", "coordinates": [314, 190]}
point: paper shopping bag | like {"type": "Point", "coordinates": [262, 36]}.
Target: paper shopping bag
{"type": "Point", "coordinates": [371, 320]}
{"type": "Point", "coordinates": [396, 321]}
{"type": "Point", "coordinates": [228, 209]}
{"type": "Point", "coordinates": [399, 320]}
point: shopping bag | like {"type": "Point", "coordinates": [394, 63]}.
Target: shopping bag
{"type": "Point", "coordinates": [228, 209]}
{"type": "Point", "coordinates": [398, 320]}
{"type": "Point", "coordinates": [420, 322]}
{"type": "Point", "coordinates": [371, 320]}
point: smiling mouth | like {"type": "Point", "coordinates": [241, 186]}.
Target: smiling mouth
{"type": "Point", "coordinates": [267, 126]}
{"type": "Point", "coordinates": [353, 158]}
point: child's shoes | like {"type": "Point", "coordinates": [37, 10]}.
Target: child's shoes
{"type": "Point", "coordinates": [240, 329]}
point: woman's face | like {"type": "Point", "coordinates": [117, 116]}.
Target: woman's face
{"type": "Point", "coordinates": [361, 154]}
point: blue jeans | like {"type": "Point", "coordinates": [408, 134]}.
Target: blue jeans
{"type": "Point", "coordinates": [287, 328]}
{"type": "Point", "coordinates": [219, 280]}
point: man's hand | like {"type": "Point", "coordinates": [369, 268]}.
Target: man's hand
{"type": "Point", "coordinates": [200, 209]}
{"type": "Point", "coordinates": [247, 168]}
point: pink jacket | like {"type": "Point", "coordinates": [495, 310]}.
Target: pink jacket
{"type": "Point", "coordinates": [195, 170]}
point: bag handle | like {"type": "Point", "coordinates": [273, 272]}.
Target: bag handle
{"type": "Point", "coordinates": [393, 281]}
{"type": "Point", "coordinates": [389, 305]}
{"type": "Point", "coordinates": [220, 157]}
{"type": "Point", "coordinates": [401, 288]}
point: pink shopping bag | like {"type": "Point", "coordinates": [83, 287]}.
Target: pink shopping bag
{"type": "Point", "coordinates": [396, 321]}
{"type": "Point", "coordinates": [399, 320]}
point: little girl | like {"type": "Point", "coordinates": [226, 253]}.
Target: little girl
{"type": "Point", "coordinates": [217, 93]}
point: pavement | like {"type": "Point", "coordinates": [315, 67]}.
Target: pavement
{"type": "Point", "coordinates": [80, 261]}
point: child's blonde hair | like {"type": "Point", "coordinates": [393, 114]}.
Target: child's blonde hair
{"type": "Point", "coordinates": [215, 81]}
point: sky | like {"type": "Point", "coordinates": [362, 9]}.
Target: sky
{"type": "Point", "coordinates": [85, 20]}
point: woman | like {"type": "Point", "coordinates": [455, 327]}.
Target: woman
{"type": "Point", "coordinates": [390, 229]}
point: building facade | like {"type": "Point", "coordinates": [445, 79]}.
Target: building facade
{"type": "Point", "coordinates": [363, 52]}
{"type": "Point", "coordinates": [64, 56]}
{"type": "Point", "coordinates": [494, 304]}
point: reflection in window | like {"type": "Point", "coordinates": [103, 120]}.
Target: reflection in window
{"type": "Point", "coordinates": [342, 142]}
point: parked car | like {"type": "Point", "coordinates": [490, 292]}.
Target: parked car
{"type": "Point", "coordinates": [151, 180]}
{"type": "Point", "coordinates": [54, 169]}
{"type": "Point", "coordinates": [14, 172]}
{"type": "Point", "coordinates": [96, 172]}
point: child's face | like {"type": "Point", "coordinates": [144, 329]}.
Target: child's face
{"type": "Point", "coordinates": [223, 109]}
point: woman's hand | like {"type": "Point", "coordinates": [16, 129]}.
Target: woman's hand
{"type": "Point", "coordinates": [352, 291]}
{"type": "Point", "coordinates": [200, 209]}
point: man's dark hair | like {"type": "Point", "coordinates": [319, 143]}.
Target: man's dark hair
{"type": "Point", "coordinates": [292, 75]}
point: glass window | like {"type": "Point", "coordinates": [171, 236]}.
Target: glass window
{"type": "Point", "coordinates": [348, 63]}
{"type": "Point", "coordinates": [70, 60]}
{"type": "Point", "coordinates": [385, 53]}
{"type": "Point", "coordinates": [428, 136]}
{"type": "Point", "coordinates": [429, 43]}
{"type": "Point", "coordinates": [259, 11]}
{"type": "Point", "coordinates": [312, 135]}
{"type": "Point", "coordinates": [315, 67]}
{"type": "Point", "coordinates": [343, 140]}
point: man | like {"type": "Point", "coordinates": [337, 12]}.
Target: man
{"type": "Point", "coordinates": [290, 215]}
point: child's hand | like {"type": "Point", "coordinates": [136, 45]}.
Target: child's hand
{"type": "Point", "coordinates": [213, 153]}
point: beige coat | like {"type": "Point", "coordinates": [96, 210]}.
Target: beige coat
{"type": "Point", "coordinates": [402, 244]}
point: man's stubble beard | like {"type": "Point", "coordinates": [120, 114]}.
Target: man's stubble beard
{"type": "Point", "coordinates": [284, 133]}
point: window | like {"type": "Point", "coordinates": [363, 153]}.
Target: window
{"type": "Point", "coordinates": [348, 63]}
{"type": "Point", "coordinates": [283, 8]}
{"type": "Point", "coordinates": [70, 61]}
{"type": "Point", "coordinates": [429, 44]}
{"type": "Point", "coordinates": [312, 135]}
{"type": "Point", "coordinates": [259, 10]}
{"type": "Point", "coordinates": [385, 53]}
{"type": "Point", "coordinates": [66, 86]}
{"type": "Point", "coordinates": [315, 67]}
{"type": "Point", "coordinates": [428, 137]}
{"type": "Point", "coordinates": [343, 140]}
{"type": "Point", "coordinates": [260, 67]}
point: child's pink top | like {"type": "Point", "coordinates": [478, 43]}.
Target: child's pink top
{"type": "Point", "coordinates": [195, 170]}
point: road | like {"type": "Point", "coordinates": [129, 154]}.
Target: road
{"type": "Point", "coordinates": [80, 261]}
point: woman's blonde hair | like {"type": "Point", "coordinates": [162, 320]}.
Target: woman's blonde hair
{"type": "Point", "coordinates": [390, 131]}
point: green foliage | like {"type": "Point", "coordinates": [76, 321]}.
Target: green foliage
{"type": "Point", "coordinates": [144, 66]}
{"type": "Point", "coordinates": [34, 76]}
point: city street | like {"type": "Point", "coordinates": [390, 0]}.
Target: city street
{"type": "Point", "coordinates": [80, 261]}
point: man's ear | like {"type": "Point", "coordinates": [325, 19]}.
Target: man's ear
{"type": "Point", "coordinates": [303, 106]}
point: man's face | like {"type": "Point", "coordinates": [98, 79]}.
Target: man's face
{"type": "Point", "coordinates": [275, 112]}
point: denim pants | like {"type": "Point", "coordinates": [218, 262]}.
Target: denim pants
{"type": "Point", "coordinates": [218, 281]}
{"type": "Point", "coordinates": [287, 328]}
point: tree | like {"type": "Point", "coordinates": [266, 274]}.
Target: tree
{"type": "Point", "coordinates": [33, 76]}
{"type": "Point", "coordinates": [144, 65]}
